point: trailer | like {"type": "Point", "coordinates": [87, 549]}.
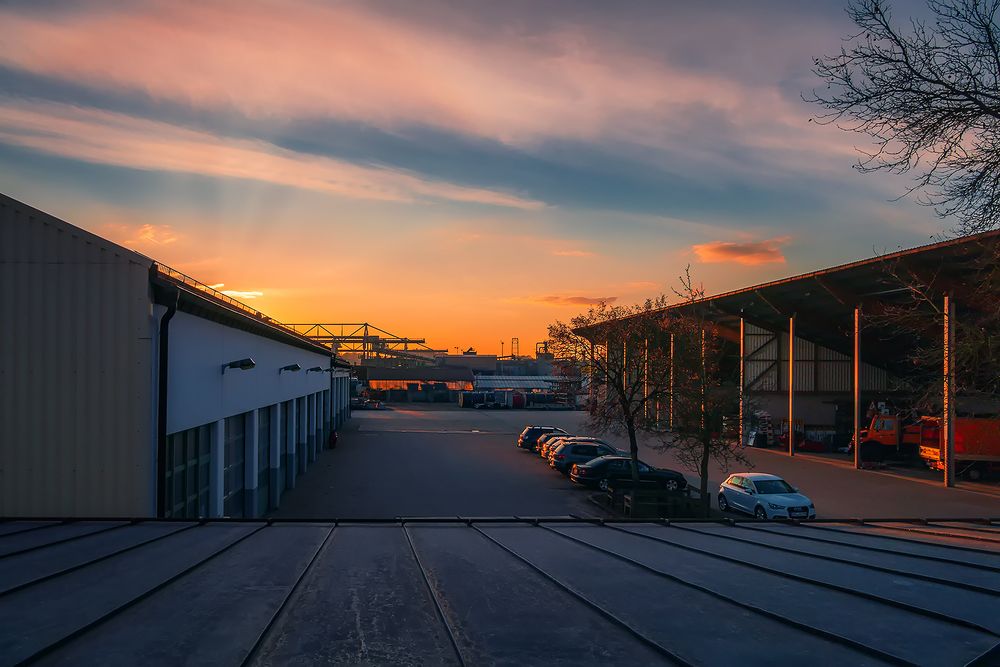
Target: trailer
{"type": "Point", "coordinates": [977, 446]}
{"type": "Point", "coordinates": [977, 443]}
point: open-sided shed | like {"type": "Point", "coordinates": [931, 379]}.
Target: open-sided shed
{"type": "Point", "coordinates": [839, 323]}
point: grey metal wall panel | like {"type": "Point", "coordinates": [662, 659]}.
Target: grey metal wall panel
{"type": "Point", "coordinates": [817, 368]}
{"type": "Point", "coordinates": [75, 371]}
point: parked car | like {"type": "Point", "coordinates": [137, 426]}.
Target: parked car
{"type": "Point", "coordinates": [604, 469]}
{"type": "Point", "coordinates": [555, 444]}
{"type": "Point", "coordinates": [529, 436]}
{"type": "Point", "coordinates": [764, 496]}
{"type": "Point", "coordinates": [551, 444]}
{"type": "Point", "coordinates": [547, 444]}
{"type": "Point", "coordinates": [571, 450]}
{"type": "Point", "coordinates": [545, 437]}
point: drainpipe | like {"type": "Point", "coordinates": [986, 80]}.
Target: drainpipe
{"type": "Point", "coordinates": [171, 296]}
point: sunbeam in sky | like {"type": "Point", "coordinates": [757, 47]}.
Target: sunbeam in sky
{"type": "Point", "coordinates": [463, 172]}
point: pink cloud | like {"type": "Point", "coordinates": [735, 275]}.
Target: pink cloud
{"type": "Point", "coordinates": [572, 253]}
{"type": "Point", "coordinates": [352, 63]}
{"type": "Point", "coordinates": [572, 300]}
{"type": "Point", "coordinates": [750, 253]}
{"type": "Point", "coordinates": [109, 138]}
{"type": "Point", "coordinates": [141, 237]}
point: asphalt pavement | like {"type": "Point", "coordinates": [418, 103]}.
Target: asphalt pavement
{"type": "Point", "coordinates": [429, 460]}
{"type": "Point", "coordinates": [433, 462]}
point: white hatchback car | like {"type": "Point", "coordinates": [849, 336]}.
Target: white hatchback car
{"type": "Point", "coordinates": [764, 496]}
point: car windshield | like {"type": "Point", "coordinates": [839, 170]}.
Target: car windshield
{"type": "Point", "coordinates": [768, 486]}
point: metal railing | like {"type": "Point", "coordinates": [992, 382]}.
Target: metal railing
{"type": "Point", "coordinates": [208, 290]}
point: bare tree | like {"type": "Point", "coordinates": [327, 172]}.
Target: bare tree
{"type": "Point", "coordinates": [918, 317]}
{"type": "Point", "coordinates": [705, 394]}
{"type": "Point", "coordinates": [656, 372]}
{"type": "Point", "coordinates": [620, 351]}
{"type": "Point", "coordinates": [929, 97]}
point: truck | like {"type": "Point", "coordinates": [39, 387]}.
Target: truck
{"type": "Point", "coordinates": [977, 442]}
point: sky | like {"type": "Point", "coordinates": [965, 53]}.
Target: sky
{"type": "Point", "coordinates": [467, 172]}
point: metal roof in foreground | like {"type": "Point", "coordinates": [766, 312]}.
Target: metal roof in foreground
{"type": "Point", "coordinates": [500, 591]}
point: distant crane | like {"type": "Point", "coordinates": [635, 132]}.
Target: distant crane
{"type": "Point", "coordinates": [366, 340]}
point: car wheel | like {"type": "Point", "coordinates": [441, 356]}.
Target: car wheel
{"type": "Point", "coordinates": [723, 503]}
{"type": "Point", "coordinates": [671, 485]}
{"type": "Point", "coordinates": [603, 485]}
{"type": "Point", "coordinates": [759, 513]}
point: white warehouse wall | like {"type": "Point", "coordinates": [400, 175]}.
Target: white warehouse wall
{"type": "Point", "coordinates": [197, 391]}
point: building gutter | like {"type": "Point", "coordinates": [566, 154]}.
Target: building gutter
{"type": "Point", "coordinates": [168, 296]}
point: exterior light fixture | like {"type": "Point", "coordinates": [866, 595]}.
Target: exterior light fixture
{"type": "Point", "coordinates": [291, 368]}
{"type": "Point", "coordinates": [315, 369]}
{"type": "Point", "coordinates": [242, 364]}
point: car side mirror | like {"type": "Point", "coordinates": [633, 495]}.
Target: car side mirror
{"type": "Point", "coordinates": [795, 489]}
{"type": "Point", "coordinates": [750, 491]}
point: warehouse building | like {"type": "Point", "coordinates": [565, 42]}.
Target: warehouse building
{"type": "Point", "coordinates": [128, 389]}
{"type": "Point", "coordinates": [816, 351]}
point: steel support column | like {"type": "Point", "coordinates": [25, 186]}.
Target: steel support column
{"type": "Point", "coordinates": [645, 381]}
{"type": "Point", "coordinates": [791, 385]}
{"type": "Point", "coordinates": [743, 353]}
{"type": "Point", "coordinates": [670, 415]}
{"type": "Point", "coordinates": [704, 384]}
{"type": "Point", "coordinates": [591, 389]}
{"type": "Point", "coordinates": [856, 360]}
{"type": "Point", "coordinates": [948, 393]}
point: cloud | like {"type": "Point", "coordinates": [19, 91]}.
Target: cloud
{"type": "Point", "coordinates": [573, 253]}
{"type": "Point", "coordinates": [97, 136]}
{"type": "Point", "coordinates": [238, 294]}
{"type": "Point", "coordinates": [573, 300]}
{"type": "Point", "coordinates": [749, 253]}
{"type": "Point", "coordinates": [514, 84]}
{"type": "Point", "coordinates": [139, 237]}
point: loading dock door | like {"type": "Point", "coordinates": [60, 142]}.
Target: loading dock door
{"type": "Point", "coordinates": [263, 460]}
{"type": "Point", "coordinates": [233, 474]}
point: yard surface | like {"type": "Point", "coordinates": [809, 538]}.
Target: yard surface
{"type": "Point", "coordinates": [416, 460]}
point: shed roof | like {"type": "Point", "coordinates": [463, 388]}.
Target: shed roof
{"type": "Point", "coordinates": [823, 301]}
{"type": "Point", "coordinates": [499, 591]}
{"type": "Point", "coordinates": [524, 382]}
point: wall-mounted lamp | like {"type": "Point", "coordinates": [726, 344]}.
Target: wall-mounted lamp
{"type": "Point", "coordinates": [291, 368]}
{"type": "Point", "coordinates": [315, 369]}
{"type": "Point", "coordinates": [242, 364]}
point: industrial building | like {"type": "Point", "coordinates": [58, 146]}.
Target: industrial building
{"type": "Point", "coordinates": [846, 354]}
{"type": "Point", "coordinates": [128, 389]}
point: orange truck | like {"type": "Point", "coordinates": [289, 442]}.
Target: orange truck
{"type": "Point", "coordinates": [977, 442]}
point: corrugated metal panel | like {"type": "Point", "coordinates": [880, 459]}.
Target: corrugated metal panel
{"type": "Point", "coordinates": [761, 375]}
{"type": "Point", "coordinates": [75, 371]}
{"type": "Point", "coordinates": [816, 368]}
{"type": "Point", "coordinates": [873, 379]}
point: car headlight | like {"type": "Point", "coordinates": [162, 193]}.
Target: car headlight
{"type": "Point", "coordinates": [776, 507]}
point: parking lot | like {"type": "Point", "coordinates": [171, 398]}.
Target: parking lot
{"type": "Point", "coordinates": [414, 460]}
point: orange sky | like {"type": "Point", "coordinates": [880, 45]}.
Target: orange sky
{"type": "Point", "coordinates": [465, 174]}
